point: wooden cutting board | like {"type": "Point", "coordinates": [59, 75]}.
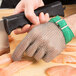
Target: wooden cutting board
{"type": "Point", "coordinates": [38, 68]}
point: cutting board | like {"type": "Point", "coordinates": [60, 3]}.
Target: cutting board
{"type": "Point", "coordinates": [37, 68]}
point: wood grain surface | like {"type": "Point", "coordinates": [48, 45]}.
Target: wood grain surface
{"type": "Point", "coordinates": [38, 68]}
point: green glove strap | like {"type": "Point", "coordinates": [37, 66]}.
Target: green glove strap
{"type": "Point", "coordinates": [67, 32]}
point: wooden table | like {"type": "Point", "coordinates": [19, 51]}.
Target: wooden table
{"type": "Point", "coordinates": [37, 69]}
{"type": "Point", "coordinates": [70, 9]}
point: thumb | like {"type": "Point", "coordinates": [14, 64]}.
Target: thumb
{"type": "Point", "coordinates": [19, 8]}
{"type": "Point", "coordinates": [41, 3]}
{"type": "Point", "coordinates": [30, 15]}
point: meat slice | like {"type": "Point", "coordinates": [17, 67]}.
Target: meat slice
{"type": "Point", "coordinates": [14, 67]}
{"type": "Point", "coordinates": [70, 48]}
{"type": "Point", "coordinates": [65, 58]}
{"type": "Point", "coordinates": [5, 60]}
{"type": "Point", "coordinates": [61, 71]}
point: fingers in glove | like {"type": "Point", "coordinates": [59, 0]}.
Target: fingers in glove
{"type": "Point", "coordinates": [47, 57]}
{"type": "Point", "coordinates": [20, 49]}
{"type": "Point", "coordinates": [51, 54]}
{"type": "Point", "coordinates": [31, 50]}
{"type": "Point", "coordinates": [39, 54]}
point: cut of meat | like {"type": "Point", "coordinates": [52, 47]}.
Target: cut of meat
{"type": "Point", "coordinates": [65, 58]}
{"type": "Point", "coordinates": [14, 67]}
{"type": "Point", "coordinates": [5, 60]}
{"type": "Point", "coordinates": [61, 71]}
{"type": "Point", "coordinates": [70, 48]}
{"type": "Point", "coordinates": [10, 38]}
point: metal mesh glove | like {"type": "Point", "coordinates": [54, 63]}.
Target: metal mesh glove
{"type": "Point", "coordinates": [45, 42]}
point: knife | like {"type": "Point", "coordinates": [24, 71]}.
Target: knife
{"type": "Point", "coordinates": [10, 23]}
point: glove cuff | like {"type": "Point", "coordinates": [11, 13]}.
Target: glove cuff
{"type": "Point", "coordinates": [67, 32]}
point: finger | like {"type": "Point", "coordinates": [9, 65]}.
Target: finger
{"type": "Point", "coordinates": [42, 17]}
{"type": "Point", "coordinates": [20, 49]}
{"type": "Point", "coordinates": [39, 54]}
{"type": "Point", "coordinates": [32, 49]}
{"type": "Point", "coordinates": [31, 26]}
{"type": "Point", "coordinates": [31, 16]}
{"type": "Point", "coordinates": [41, 3]}
{"type": "Point", "coordinates": [26, 28]}
{"type": "Point", "coordinates": [17, 31]}
{"type": "Point", "coordinates": [47, 57]}
{"type": "Point", "coordinates": [50, 55]}
{"type": "Point", "coordinates": [19, 8]}
{"type": "Point", "coordinates": [23, 30]}
{"type": "Point", "coordinates": [47, 18]}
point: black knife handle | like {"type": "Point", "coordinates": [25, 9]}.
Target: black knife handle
{"type": "Point", "coordinates": [19, 20]}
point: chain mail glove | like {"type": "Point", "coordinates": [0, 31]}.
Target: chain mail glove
{"type": "Point", "coordinates": [45, 42]}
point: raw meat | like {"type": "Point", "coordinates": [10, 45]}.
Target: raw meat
{"type": "Point", "coordinates": [5, 60]}
{"type": "Point", "coordinates": [70, 48]}
{"type": "Point", "coordinates": [65, 58]}
{"type": "Point", "coordinates": [61, 71]}
{"type": "Point", "coordinates": [14, 67]}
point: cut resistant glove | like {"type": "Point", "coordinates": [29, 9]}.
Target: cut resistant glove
{"type": "Point", "coordinates": [45, 41]}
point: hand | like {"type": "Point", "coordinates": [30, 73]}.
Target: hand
{"type": "Point", "coordinates": [28, 6]}
{"type": "Point", "coordinates": [45, 42]}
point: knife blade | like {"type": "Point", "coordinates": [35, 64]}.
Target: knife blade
{"type": "Point", "coordinates": [8, 24]}
{"type": "Point", "coordinates": [4, 43]}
